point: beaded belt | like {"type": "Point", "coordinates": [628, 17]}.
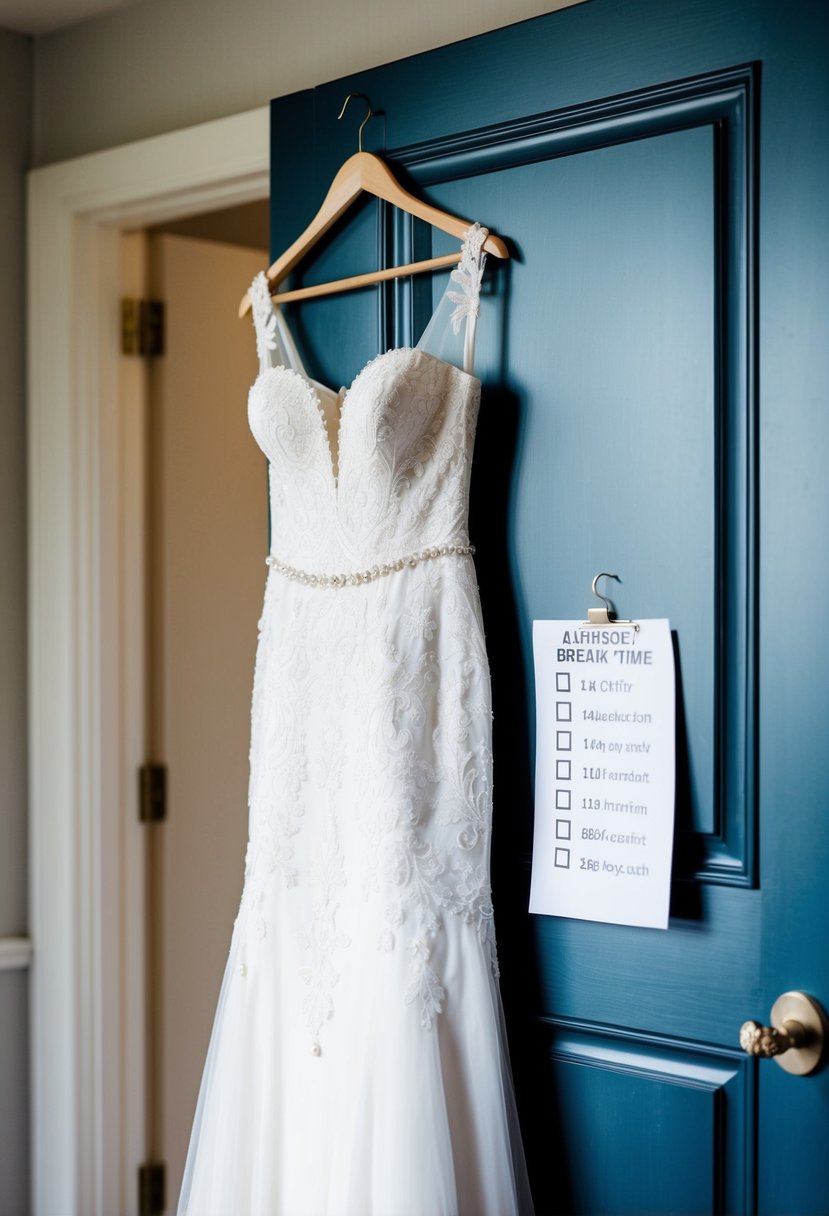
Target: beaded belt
{"type": "Point", "coordinates": [367, 576]}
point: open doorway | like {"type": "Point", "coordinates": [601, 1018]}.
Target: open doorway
{"type": "Point", "coordinates": [204, 524]}
{"type": "Point", "coordinates": [87, 897]}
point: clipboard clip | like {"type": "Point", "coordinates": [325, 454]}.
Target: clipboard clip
{"type": "Point", "coordinates": [605, 616]}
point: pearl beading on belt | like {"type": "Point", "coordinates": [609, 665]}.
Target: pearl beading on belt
{"type": "Point", "coordinates": [367, 576]}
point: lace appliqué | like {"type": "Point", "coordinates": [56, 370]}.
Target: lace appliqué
{"type": "Point", "coordinates": [430, 858]}
{"type": "Point", "coordinates": [424, 987]}
{"type": "Point", "coordinates": [468, 275]}
{"type": "Point", "coordinates": [322, 938]}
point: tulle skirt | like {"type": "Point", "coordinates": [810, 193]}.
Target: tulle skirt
{"type": "Point", "coordinates": [388, 1120]}
{"type": "Point", "coordinates": [358, 1063]}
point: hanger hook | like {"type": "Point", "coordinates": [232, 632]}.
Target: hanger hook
{"type": "Point", "coordinates": [607, 603]}
{"type": "Point", "coordinates": [365, 120]}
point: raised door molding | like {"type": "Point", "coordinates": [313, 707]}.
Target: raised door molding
{"type": "Point", "coordinates": [725, 104]}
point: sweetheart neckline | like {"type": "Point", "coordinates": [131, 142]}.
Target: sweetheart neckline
{"type": "Point", "coordinates": [313, 387]}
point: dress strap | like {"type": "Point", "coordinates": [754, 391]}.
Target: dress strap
{"type": "Point", "coordinates": [459, 306]}
{"type": "Point", "coordinates": [275, 345]}
{"type": "Point", "coordinates": [264, 319]}
{"type": "Point", "coordinates": [468, 274]}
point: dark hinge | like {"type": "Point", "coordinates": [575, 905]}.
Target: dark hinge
{"type": "Point", "coordinates": [152, 800]}
{"type": "Point", "coordinates": [152, 1188]}
{"type": "Point", "coordinates": [142, 327]}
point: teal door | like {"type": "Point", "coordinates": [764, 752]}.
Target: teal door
{"type": "Point", "coordinates": [656, 403]}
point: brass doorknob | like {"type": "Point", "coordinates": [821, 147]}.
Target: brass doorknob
{"type": "Point", "coordinates": [796, 1038]}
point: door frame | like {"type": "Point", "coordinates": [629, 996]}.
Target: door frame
{"type": "Point", "coordinates": [86, 868]}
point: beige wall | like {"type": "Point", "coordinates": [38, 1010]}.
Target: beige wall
{"type": "Point", "coordinates": [15, 81]}
{"type": "Point", "coordinates": [164, 64]}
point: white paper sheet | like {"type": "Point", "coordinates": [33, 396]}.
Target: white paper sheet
{"type": "Point", "coordinates": [604, 772]}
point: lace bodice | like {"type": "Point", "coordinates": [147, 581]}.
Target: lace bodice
{"type": "Point", "coordinates": [395, 477]}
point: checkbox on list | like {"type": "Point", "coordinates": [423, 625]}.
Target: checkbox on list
{"type": "Point", "coordinates": [562, 800]}
{"type": "Point", "coordinates": [564, 711]}
{"type": "Point", "coordinates": [563, 859]}
{"type": "Point", "coordinates": [562, 770]}
{"type": "Point", "coordinates": [562, 681]}
{"type": "Point", "coordinates": [563, 829]}
{"type": "Point", "coordinates": [564, 740]}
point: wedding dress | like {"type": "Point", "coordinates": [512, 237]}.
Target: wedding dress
{"type": "Point", "coordinates": [358, 1065]}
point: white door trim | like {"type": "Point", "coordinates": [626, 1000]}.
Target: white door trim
{"type": "Point", "coordinates": [85, 866]}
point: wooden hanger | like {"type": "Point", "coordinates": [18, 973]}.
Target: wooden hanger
{"type": "Point", "coordinates": [366, 173]}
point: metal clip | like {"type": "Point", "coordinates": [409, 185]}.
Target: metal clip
{"type": "Point", "coordinates": [604, 616]}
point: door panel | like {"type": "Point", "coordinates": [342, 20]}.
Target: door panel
{"type": "Point", "coordinates": [646, 410]}
{"type": "Point", "coordinates": [630, 1101]}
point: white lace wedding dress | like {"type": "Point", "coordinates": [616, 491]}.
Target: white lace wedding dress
{"type": "Point", "coordinates": [358, 1065]}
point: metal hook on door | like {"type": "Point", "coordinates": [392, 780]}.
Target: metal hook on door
{"type": "Point", "coordinates": [365, 120]}
{"type": "Point", "coordinates": [603, 616]}
{"type": "Point", "coordinates": [608, 604]}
